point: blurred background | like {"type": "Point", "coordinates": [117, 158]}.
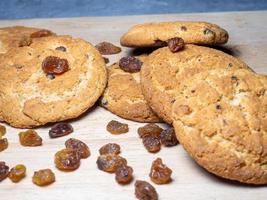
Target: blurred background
{"type": "Point", "coordinates": [19, 9]}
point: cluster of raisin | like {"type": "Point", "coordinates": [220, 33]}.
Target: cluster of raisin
{"type": "Point", "coordinates": [15, 174]}
{"type": "Point", "coordinates": [110, 161]}
{"type": "Point", "coordinates": [153, 136]}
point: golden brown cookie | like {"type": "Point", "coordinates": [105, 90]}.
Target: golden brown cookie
{"type": "Point", "coordinates": [16, 36]}
{"type": "Point", "coordinates": [220, 118]}
{"type": "Point", "coordinates": [30, 97]}
{"type": "Point", "coordinates": [164, 71]}
{"type": "Point", "coordinates": [156, 34]}
{"type": "Point", "coordinates": [123, 96]}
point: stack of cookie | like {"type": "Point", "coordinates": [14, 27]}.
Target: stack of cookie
{"type": "Point", "coordinates": [216, 103]}
{"type": "Point", "coordinates": [47, 78]}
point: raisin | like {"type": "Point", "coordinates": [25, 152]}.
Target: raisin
{"type": "Point", "coordinates": [4, 170]}
{"type": "Point", "coordinates": [183, 28]}
{"type": "Point", "coordinates": [168, 137]}
{"type": "Point", "coordinates": [106, 60]}
{"type": "Point", "coordinates": [175, 44]}
{"type": "Point", "coordinates": [55, 65]}
{"type": "Point", "coordinates": [160, 173]}
{"type": "Point", "coordinates": [218, 107]}
{"type": "Point", "coordinates": [79, 146]}
{"type": "Point", "coordinates": [124, 174]}
{"type": "Point", "coordinates": [145, 191]}
{"type": "Point", "coordinates": [130, 64]}
{"type": "Point", "coordinates": [149, 129]}
{"type": "Point", "coordinates": [151, 143]}
{"type": "Point", "coordinates": [60, 129]}
{"type": "Point", "coordinates": [43, 177]}
{"type": "Point", "coordinates": [61, 48]}
{"type": "Point", "coordinates": [2, 131]}
{"type": "Point", "coordinates": [67, 159]}
{"type": "Point", "coordinates": [25, 41]}
{"type": "Point", "coordinates": [116, 127]}
{"type": "Point", "coordinates": [17, 173]}
{"type": "Point", "coordinates": [107, 48]}
{"type": "Point", "coordinates": [41, 33]}
{"type": "Point", "coordinates": [159, 43]}
{"type": "Point", "coordinates": [110, 148]}
{"type": "Point", "coordinates": [3, 144]}
{"type": "Point", "coordinates": [110, 162]}
{"type": "Point", "coordinates": [30, 138]}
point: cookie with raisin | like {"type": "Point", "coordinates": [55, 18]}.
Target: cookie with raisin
{"type": "Point", "coordinates": [223, 123]}
{"type": "Point", "coordinates": [164, 72]}
{"type": "Point", "coordinates": [157, 34]}
{"type": "Point", "coordinates": [55, 79]}
{"type": "Point", "coordinates": [18, 36]}
{"type": "Point", "coordinates": [123, 95]}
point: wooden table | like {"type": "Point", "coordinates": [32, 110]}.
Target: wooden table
{"type": "Point", "coordinates": [248, 40]}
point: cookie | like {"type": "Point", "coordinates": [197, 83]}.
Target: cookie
{"type": "Point", "coordinates": [16, 36]}
{"type": "Point", "coordinates": [29, 97]}
{"type": "Point", "coordinates": [223, 123]}
{"type": "Point", "coordinates": [156, 34]}
{"type": "Point", "coordinates": [123, 96]}
{"type": "Point", "coordinates": [164, 71]}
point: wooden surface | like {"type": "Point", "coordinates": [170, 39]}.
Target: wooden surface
{"type": "Point", "coordinates": [248, 40]}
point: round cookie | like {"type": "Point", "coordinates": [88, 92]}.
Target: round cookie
{"type": "Point", "coordinates": [156, 34]}
{"type": "Point", "coordinates": [164, 71]}
{"type": "Point", "coordinates": [31, 98]}
{"type": "Point", "coordinates": [123, 96]}
{"type": "Point", "coordinates": [17, 35]}
{"type": "Point", "coordinates": [220, 119]}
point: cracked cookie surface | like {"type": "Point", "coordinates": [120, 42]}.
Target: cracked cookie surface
{"type": "Point", "coordinates": [156, 34]}
{"type": "Point", "coordinates": [29, 97]}
{"type": "Point", "coordinates": [164, 72]}
{"type": "Point", "coordinates": [220, 119]}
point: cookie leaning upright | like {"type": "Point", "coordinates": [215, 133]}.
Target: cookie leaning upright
{"type": "Point", "coordinates": [157, 34]}
{"type": "Point", "coordinates": [31, 97]}
{"type": "Point", "coordinates": [16, 36]}
{"type": "Point", "coordinates": [220, 119]}
{"type": "Point", "coordinates": [163, 73]}
{"type": "Point", "coordinates": [123, 95]}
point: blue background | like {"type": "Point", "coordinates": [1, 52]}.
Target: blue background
{"type": "Point", "coordinates": [16, 9]}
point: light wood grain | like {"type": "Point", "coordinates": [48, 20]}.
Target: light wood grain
{"type": "Point", "coordinates": [248, 40]}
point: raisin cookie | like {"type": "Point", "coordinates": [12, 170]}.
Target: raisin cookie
{"type": "Point", "coordinates": [156, 34]}
{"type": "Point", "coordinates": [164, 71]}
{"type": "Point", "coordinates": [223, 123]}
{"type": "Point", "coordinates": [123, 96]}
{"type": "Point", "coordinates": [31, 95]}
{"type": "Point", "coordinates": [20, 36]}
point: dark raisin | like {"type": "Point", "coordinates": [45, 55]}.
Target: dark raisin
{"type": "Point", "coordinates": [3, 144]}
{"type": "Point", "coordinates": [149, 129]}
{"type": "Point", "coordinates": [25, 41]}
{"type": "Point", "coordinates": [183, 28]}
{"type": "Point", "coordinates": [193, 91]}
{"type": "Point", "coordinates": [175, 44]}
{"type": "Point", "coordinates": [30, 138]}
{"type": "Point", "coordinates": [130, 64]}
{"type": "Point", "coordinates": [60, 129]}
{"type": "Point", "coordinates": [82, 149]}
{"type": "Point", "coordinates": [124, 174]}
{"type": "Point", "coordinates": [61, 48]}
{"type": "Point", "coordinates": [17, 173]}
{"type": "Point", "coordinates": [230, 65]}
{"type": "Point", "coordinates": [110, 148]}
{"type": "Point", "coordinates": [159, 43]}
{"type": "Point", "coordinates": [2, 131]}
{"type": "Point", "coordinates": [145, 191]}
{"type": "Point", "coordinates": [234, 78]}
{"type": "Point", "coordinates": [116, 127]}
{"type": "Point", "coordinates": [151, 143]}
{"type": "Point", "coordinates": [41, 33]}
{"type": "Point", "coordinates": [160, 173]}
{"type": "Point", "coordinates": [110, 162]}
{"type": "Point", "coordinates": [67, 159]}
{"type": "Point", "coordinates": [107, 48]}
{"type": "Point", "coordinates": [43, 177]}
{"type": "Point", "coordinates": [4, 170]}
{"type": "Point", "coordinates": [218, 107]}
{"type": "Point", "coordinates": [106, 60]}
{"type": "Point", "coordinates": [168, 137]}
{"type": "Point", "coordinates": [208, 32]}
{"type": "Point", "coordinates": [55, 65]}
